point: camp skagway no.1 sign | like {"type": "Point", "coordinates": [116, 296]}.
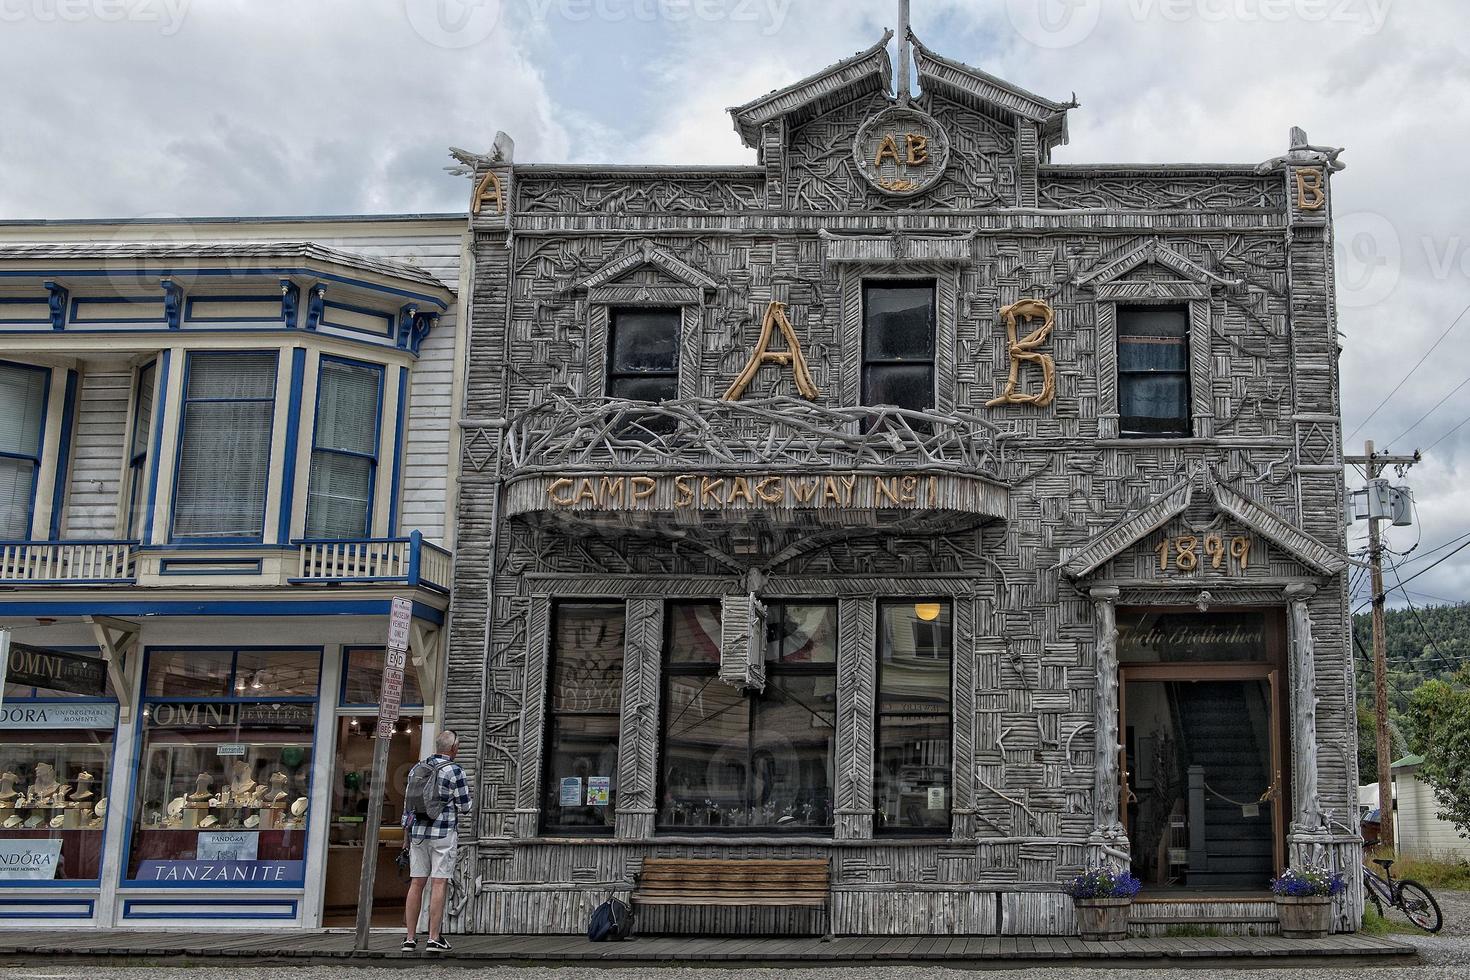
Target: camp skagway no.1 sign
{"type": "Point", "coordinates": [901, 151]}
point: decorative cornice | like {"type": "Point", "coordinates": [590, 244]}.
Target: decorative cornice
{"type": "Point", "coordinates": [1152, 250]}
{"type": "Point", "coordinates": [649, 255]}
{"type": "Point", "coordinates": [1111, 543]}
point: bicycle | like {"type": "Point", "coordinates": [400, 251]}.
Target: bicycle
{"type": "Point", "coordinates": [1405, 894]}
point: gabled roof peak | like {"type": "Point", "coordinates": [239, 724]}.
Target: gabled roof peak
{"type": "Point", "coordinates": [871, 70]}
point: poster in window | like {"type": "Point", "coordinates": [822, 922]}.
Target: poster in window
{"type": "Point", "coordinates": [598, 790]}
{"type": "Point", "coordinates": [571, 791]}
{"type": "Point", "coordinates": [936, 797]}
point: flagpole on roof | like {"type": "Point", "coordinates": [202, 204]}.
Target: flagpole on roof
{"type": "Point", "coordinates": [905, 54]}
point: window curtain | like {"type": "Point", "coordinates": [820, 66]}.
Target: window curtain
{"type": "Point", "coordinates": [224, 460]}
{"type": "Point", "coordinates": [22, 409]}
{"type": "Point", "coordinates": [344, 453]}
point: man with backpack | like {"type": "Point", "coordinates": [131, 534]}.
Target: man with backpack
{"type": "Point", "coordinates": [437, 794]}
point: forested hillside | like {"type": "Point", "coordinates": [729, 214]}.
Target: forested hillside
{"type": "Point", "coordinates": [1423, 644]}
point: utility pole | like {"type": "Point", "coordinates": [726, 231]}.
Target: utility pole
{"type": "Point", "coordinates": [1373, 464]}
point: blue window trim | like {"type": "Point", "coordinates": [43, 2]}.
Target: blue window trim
{"type": "Point", "coordinates": [40, 442]}
{"type": "Point", "coordinates": [111, 770]}
{"type": "Point", "coordinates": [150, 278]}
{"type": "Point", "coordinates": [184, 401]}
{"type": "Point", "coordinates": [382, 372]}
{"type": "Point", "coordinates": [347, 652]}
{"type": "Point", "coordinates": [138, 462]}
{"type": "Point", "coordinates": [155, 441]}
{"type": "Point", "coordinates": [62, 479]}
{"type": "Point", "coordinates": [395, 504]}
{"type": "Point", "coordinates": [135, 769]}
{"type": "Point", "coordinates": [292, 448]}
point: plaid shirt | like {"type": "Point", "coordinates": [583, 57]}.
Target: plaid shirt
{"type": "Point", "coordinates": [454, 790]}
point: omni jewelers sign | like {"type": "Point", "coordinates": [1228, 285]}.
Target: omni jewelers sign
{"type": "Point", "coordinates": [756, 492]}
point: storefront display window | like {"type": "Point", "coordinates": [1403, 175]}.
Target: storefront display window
{"type": "Point", "coordinates": [223, 783]}
{"type": "Point", "coordinates": [55, 762]}
{"type": "Point", "coordinates": [585, 683]}
{"type": "Point", "coordinates": [362, 679]}
{"type": "Point", "coordinates": [758, 759]}
{"type": "Point", "coordinates": [911, 778]}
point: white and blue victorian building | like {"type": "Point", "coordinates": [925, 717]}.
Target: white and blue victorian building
{"type": "Point", "coordinates": [225, 447]}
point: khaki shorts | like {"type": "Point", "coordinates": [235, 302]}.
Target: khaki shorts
{"type": "Point", "coordinates": [433, 857]}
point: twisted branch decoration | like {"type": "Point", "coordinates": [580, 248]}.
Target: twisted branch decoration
{"type": "Point", "coordinates": [1024, 351]}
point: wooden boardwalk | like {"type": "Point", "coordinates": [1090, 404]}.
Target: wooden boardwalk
{"type": "Point", "coordinates": [121, 947]}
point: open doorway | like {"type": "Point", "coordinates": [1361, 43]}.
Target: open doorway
{"type": "Point", "coordinates": [1204, 738]}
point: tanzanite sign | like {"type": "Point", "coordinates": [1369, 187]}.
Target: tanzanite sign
{"type": "Point", "coordinates": [223, 872]}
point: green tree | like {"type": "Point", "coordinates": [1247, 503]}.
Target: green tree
{"type": "Point", "coordinates": [1439, 719]}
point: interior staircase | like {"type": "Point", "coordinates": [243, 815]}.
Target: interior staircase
{"type": "Point", "coordinates": [1226, 735]}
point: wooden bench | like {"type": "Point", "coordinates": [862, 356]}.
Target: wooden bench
{"type": "Point", "coordinates": [778, 883]}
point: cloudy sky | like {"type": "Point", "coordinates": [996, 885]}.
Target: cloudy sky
{"type": "Point", "coordinates": [125, 108]}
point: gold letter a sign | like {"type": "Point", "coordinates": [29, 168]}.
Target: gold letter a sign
{"type": "Point", "coordinates": [775, 317]}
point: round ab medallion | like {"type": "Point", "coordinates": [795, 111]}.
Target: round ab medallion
{"type": "Point", "coordinates": [901, 151]}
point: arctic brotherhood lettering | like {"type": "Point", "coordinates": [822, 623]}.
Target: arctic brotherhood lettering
{"type": "Point", "coordinates": [750, 492]}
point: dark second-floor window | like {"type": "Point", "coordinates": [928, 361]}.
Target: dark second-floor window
{"type": "Point", "coordinates": [643, 361]}
{"type": "Point", "coordinates": [1153, 371]}
{"type": "Point", "coordinates": [22, 416]}
{"type": "Point", "coordinates": [898, 344]}
{"type": "Point", "coordinates": [225, 446]}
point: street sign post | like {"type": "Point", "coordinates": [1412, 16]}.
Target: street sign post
{"type": "Point", "coordinates": [390, 700]}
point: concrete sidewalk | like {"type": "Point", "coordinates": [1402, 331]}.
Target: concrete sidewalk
{"type": "Point", "coordinates": [126, 947]}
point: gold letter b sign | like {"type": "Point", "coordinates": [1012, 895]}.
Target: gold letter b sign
{"type": "Point", "coordinates": [1023, 351]}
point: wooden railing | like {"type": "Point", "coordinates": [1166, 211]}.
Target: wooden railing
{"type": "Point", "coordinates": [411, 560]}
{"type": "Point", "coordinates": [68, 562]}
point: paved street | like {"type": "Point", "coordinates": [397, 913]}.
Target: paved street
{"type": "Point", "coordinates": [1447, 957]}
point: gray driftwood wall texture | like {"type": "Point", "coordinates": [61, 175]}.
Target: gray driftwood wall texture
{"type": "Point", "coordinates": [1035, 588]}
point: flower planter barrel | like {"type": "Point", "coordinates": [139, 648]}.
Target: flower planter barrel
{"type": "Point", "coordinates": [1100, 919]}
{"type": "Point", "coordinates": [1304, 918]}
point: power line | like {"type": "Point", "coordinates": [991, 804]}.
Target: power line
{"type": "Point", "coordinates": [1433, 643]}
{"type": "Point", "coordinates": [1426, 415]}
{"type": "Point", "coordinates": [1439, 561]}
{"type": "Point", "coordinates": [1406, 377]}
{"type": "Point", "coordinates": [1448, 434]}
{"type": "Point", "coordinates": [1439, 547]}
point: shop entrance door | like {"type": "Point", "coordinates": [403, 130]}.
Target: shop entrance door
{"type": "Point", "coordinates": [351, 788]}
{"type": "Point", "coordinates": [1203, 792]}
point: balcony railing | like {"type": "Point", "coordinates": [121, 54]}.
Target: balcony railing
{"type": "Point", "coordinates": [411, 561]}
{"type": "Point", "coordinates": [68, 562]}
{"type": "Point", "coordinates": [599, 435]}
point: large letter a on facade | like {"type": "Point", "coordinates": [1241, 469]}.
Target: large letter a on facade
{"type": "Point", "coordinates": [775, 317]}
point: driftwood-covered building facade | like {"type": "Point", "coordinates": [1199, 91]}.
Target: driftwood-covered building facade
{"type": "Point", "coordinates": [905, 500]}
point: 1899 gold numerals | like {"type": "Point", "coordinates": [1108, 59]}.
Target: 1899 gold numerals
{"type": "Point", "coordinates": [1189, 552]}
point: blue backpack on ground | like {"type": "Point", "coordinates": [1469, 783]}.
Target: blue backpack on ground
{"type": "Point", "coordinates": [611, 922]}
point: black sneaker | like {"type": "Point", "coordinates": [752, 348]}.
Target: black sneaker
{"type": "Point", "coordinates": [440, 945]}
{"type": "Point", "coordinates": [409, 945]}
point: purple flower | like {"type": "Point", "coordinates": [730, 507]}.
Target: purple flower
{"type": "Point", "coordinates": [1104, 882]}
{"type": "Point", "coordinates": [1308, 883]}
